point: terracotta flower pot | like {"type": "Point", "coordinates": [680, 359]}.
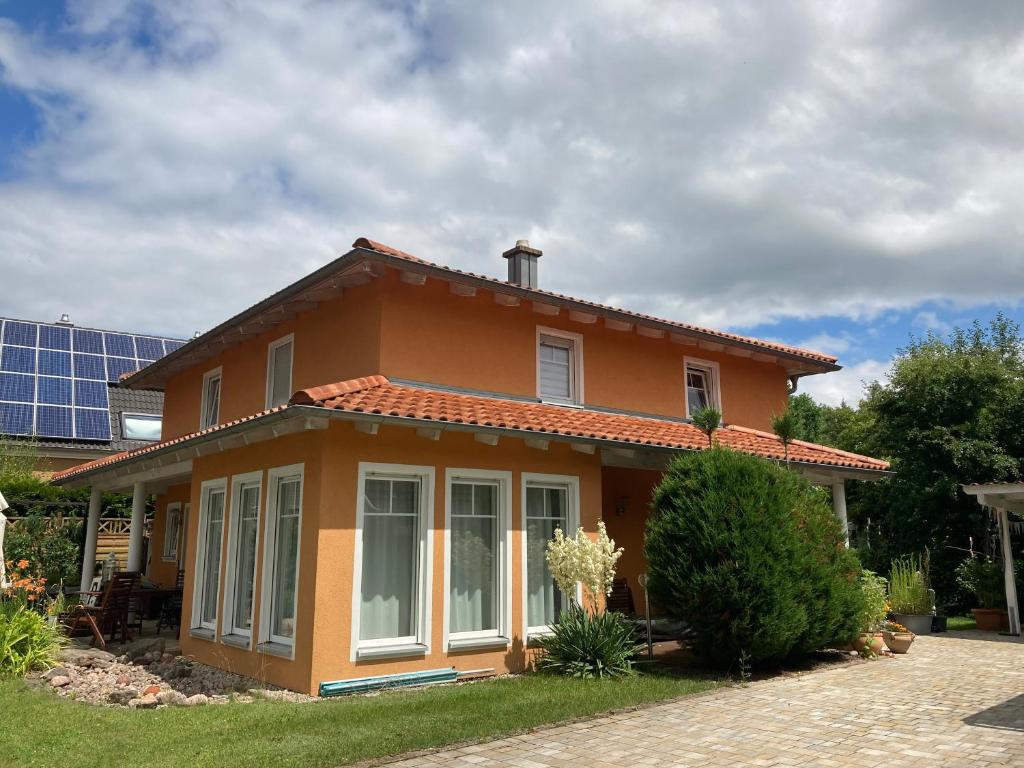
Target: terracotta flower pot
{"type": "Point", "coordinates": [873, 640]}
{"type": "Point", "coordinates": [898, 642]}
{"type": "Point", "coordinates": [991, 619]}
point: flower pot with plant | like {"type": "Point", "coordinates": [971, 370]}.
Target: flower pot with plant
{"type": "Point", "coordinates": [910, 599]}
{"type": "Point", "coordinates": [983, 577]}
{"type": "Point", "coordinates": [869, 642]}
{"type": "Point", "coordinates": [898, 638]}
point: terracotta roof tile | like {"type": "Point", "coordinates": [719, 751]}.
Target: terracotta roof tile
{"type": "Point", "coordinates": [373, 245]}
{"type": "Point", "coordinates": [378, 395]}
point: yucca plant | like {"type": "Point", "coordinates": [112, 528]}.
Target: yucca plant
{"type": "Point", "coordinates": [588, 645]}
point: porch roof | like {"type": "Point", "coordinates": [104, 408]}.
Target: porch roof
{"type": "Point", "coordinates": [376, 399]}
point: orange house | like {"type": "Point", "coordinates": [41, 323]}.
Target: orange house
{"type": "Point", "coordinates": [358, 475]}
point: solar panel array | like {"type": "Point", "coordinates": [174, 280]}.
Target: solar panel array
{"type": "Point", "coordinates": [54, 378]}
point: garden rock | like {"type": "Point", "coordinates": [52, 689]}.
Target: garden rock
{"type": "Point", "coordinates": [197, 700]}
{"type": "Point", "coordinates": [60, 681]}
{"type": "Point", "coordinates": [151, 690]}
{"type": "Point", "coordinates": [122, 697]}
{"type": "Point", "coordinates": [55, 672]}
{"type": "Point", "coordinates": [146, 702]}
{"type": "Point", "coordinates": [171, 698]}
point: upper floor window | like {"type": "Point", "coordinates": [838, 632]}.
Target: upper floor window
{"type": "Point", "coordinates": [279, 371]}
{"type": "Point", "coordinates": [702, 386]}
{"type": "Point", "coordinates": [210, 412]}
{"type": "Point", "coordinates": [559, 366]}
{"type": "Point", "coordinates": [141, 426]}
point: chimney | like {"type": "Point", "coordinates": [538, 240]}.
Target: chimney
{"type": "Point", "coordinates": [65, 319]}
{"type": "Point", "coordinates": [522, 264]}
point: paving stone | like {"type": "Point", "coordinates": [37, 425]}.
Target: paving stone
{"type": "Point", "coordinates": [956, 699]}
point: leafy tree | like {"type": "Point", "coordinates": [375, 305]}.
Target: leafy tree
{"type": "Point", "coordinates": [785, 428]}
{"type": "Point", "coordinates": [707, 420]}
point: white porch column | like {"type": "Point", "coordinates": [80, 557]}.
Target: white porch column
{"type": "Point", "coordinates": [135, 532]}
{"type": "Point", "coordinates": [92, 527]}
{"type": "Point", "coordinates": [839, 507]}
{"type": "Point", "coordinates": [1008, 576]}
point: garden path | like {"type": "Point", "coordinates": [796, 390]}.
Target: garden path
{"type": "Point", "coordinates": [955, 700]}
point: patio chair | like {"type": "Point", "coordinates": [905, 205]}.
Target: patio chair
{"type": "Point", "coordinates": [106, 614]}
{"type": "Point", "coordinates": [170, 610]}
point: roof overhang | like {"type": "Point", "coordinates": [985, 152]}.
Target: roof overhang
{"type": "Point", "coordinates": [1008, 496]}
{"type": "Point", "coordinates": [170, 463]}
{"type": "Point", "coordinates": [362, 264]}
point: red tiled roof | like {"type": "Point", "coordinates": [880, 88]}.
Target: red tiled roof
{"type": "Point", "coordinates": [378, 395]}
{"type": "Point", "coordinates": [387, 250]}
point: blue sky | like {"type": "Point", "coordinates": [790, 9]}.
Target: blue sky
{"type": "Point", "coordinates": [839, 176]}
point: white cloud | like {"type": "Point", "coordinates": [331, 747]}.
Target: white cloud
{"type": "Point", "coordinates": [729, 165]}
{"type": "Point", "coordinates": [845, 386]}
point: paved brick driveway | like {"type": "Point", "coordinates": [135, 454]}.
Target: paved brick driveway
{"type": "Point", "coordinates": [953, 701]}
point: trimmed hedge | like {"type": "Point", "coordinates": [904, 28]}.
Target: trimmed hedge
{"type": "Point", "coordinates": [751, 557]}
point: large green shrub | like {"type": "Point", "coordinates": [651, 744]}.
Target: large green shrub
{"type": "Point", "coordinates": [908, 586]}
{"type": "Point", "coordinates": [52, 547]}
{"type": "Point", "coordinates": [588, 645]}
{"type": "Point", "coordinates": [28, 642]}
{"type": "Point", "coordinates": [983, 578]}
{"type": "Point", "coordinates": [751, 557]}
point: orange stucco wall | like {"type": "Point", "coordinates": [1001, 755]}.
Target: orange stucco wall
{"type": "Point", "coordinates": [625, 507]}
{"type": "Point", "coordinates": [425, 333]}
{"type": "Point", "coordinates": [326, 564]}
{"type": "Point", "coordinates": [165, 572]}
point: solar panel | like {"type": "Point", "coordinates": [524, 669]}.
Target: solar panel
{"type": "Point", "coordinates": [53, 421]}
{"type": "Point", "coordinates": [54, 337]}
{"type": "Point", "coordinates": [92, 424]}
{"type": "Point", "coordinates": [52, 363]}
{"type": "Point", "coordinates": [54, 379]}
{"type": "Point", "coordinates": [54, 391]}
{"type": "Point", "coordinates": [15, 419]}
{"type": "Point", "coordinates": [91, 394]}
{"type": "Point", "coordinates": [17, 359]}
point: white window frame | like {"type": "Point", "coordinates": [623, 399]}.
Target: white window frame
{"type": "Point", "coordinates": [216, 373]}
{"type": "Point", "coordinates": [186, 512]}
{"type": "Point", "coordinates": [576, 371]}
{"type": "Point", "coordinates": [501, 636]}
{"type": "Point", "coordinates": [148, 416]}
{"type": "Point", "coordinates": [272, 347]}
{"type": "Point", "coordinates": [572, 484]}
{"type": "Point", "coordinates": [419, 644]}
{"type": "Point", "coordinates": [278, 645]}
{"type": "Point", "coordinates": [712, 376]}
{"type": "Point", "coordinates": [200, 628]}
{"type": "Point", "coordinates": [171, 555]}
{"type": "Point", "coordinates": [228, 628]}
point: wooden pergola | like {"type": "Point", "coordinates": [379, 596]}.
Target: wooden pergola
{"type": "Point", "coordinates": [1002, 498]}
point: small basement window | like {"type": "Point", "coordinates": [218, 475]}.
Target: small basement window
{"type": "Point", "coordinates": [141, 426]}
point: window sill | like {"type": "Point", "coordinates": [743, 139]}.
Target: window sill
{"type": "Point", "coordinates": [563, 403]}
{"type": "Point", "coordinates": [170, 559]}
{"type": "Point", "coordinates": [391, 651]}
{"type": "Point", "coordinates": [202, 633]}
{"type": "Point", "coordinates": [533, 638]}
{"type": "Point", "coordinates": [477, 643]}
{"type": "Point", "coordinates": [238, 641]}
{"type": "Point", "coordinates": [277, 649]}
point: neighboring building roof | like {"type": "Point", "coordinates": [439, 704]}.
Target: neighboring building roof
{"type": "Point", "coordinates": [131, 401]}
{"type": "Point", "coordinates": [353, 266]}
{"type": "Point", "coordinates": [377, 398]}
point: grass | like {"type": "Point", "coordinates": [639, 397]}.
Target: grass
{"type": "Point", "coordinates": [960, 623]}
{"type": "Point", "coordinates": [39, 729]}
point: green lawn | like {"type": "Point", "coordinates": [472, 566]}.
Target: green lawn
{"type": "Point", "coordinates": [961, 622]}
{"type": "Point", "coordinates": [39, 729]}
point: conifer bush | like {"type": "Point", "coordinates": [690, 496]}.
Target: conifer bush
{"type": "Point", "coordinates": [751, 557]}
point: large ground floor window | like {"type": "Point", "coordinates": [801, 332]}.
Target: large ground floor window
{"type": "Point", "coordinates": [549, 502]}
{"type": "Point", "coordinates": [476, 552]}
{"type": "Point", "coordinates": [391, 600]}
{"type": "Point", "coordinates": [243, 533]}
{"type": "Point", "coordinates": [207, 574]}
{"type": "Point", "coordinates": [279, 604]}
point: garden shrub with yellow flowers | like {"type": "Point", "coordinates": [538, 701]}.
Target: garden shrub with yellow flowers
{"type": "Point", "coordinates": [29, 635]}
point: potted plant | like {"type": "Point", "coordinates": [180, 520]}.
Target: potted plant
{"type": "Point", "coordinates": [910, 599]}
{"type": "Point", "coordinates": [983, 577]}
{"type": "Point", "coordinates": [897, 637]}
{"type": "Point", "coordinates": [872, 613]}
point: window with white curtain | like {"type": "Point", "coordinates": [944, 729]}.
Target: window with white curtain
{"type": "Point", "coordinates": [279, 607]}
{"type": "Point", "coordinates": [702, 385]}
{"type": "Point", "coordinates": [559, 366]}
{"type": "Point", "coordinates": [550, 502]}
{"type": "Point", "coordinates": [209, 415]}
{"type": "Point", "coordinates": [392, 560]}
{"type": "Point", "coordinates": [172, 532]}
{"type": "Point", "coordinates": [279, 371]}
{"type": "Point", "coordinates": [243, 532]}
{"type": "Point", "coordinates": [211, 539]}
{"type": "Point", "coordinates": [476, 553]}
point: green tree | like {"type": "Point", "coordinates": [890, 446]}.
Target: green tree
{"type": "Point", "coordinates": [707, 420]}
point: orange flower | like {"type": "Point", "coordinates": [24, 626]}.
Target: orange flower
{"type": "Point", "coordinates": [23, 563]}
